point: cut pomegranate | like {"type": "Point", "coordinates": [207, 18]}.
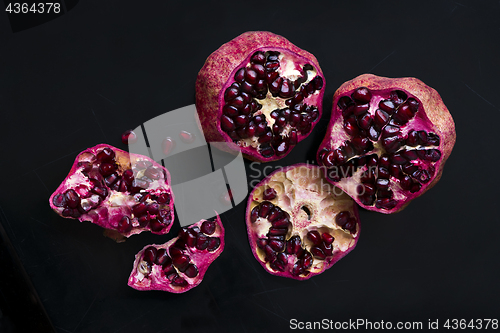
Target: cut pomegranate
{"type": "Point", "coordinates": [124, 193]}
{"type": "Point", "coordinates": [260, 92]}
{"type": "Point", "coordinates": [180, 264]}
{"type": "Point", "coordinates": [307, 225]}
{"type": "Point", "coordinates": [387, 141]}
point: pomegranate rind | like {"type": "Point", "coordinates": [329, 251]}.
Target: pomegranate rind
{"type": "Point", "coordinates": [157, 281]}
{"type": "Point", "coordinates": [330, 206]}
{"type": "Point", "coordinates": [435, 110]}
{"type": "Point", "coordinates": [218, 71]}
{"type": "Point", "coordinates": [122, 200]}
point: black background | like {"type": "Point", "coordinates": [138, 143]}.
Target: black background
{"type": "Point", "coordinates": [106, 66]}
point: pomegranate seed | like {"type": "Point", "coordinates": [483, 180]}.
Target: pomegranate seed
{"type": "Point", "coordinates": [362, 95]}
{"type": "Point", "coordinates": [251, 76]}
{"type": "Point", "coordinates": [265, 208]}
{"type": "Point", "coordinates": [124, 225]}
{"type": "Point", "coordinates": [351, 224]}
{"type": "Point", "coordinates": [327, 238]}
{"type": "Point", "coordinates": [383, 173]}
{"type": "Point", "coordinates": [179, 282]}
{"type": "Point", "coordinates": [231, 93]}
{"type": "Point", "coordinates": [105, 155]}
{"type": "Point", "coordinates": [272, 65]}
{"type": "Point", "coordinates": [367, 199]}
{"type": "Point", "coordinates": [276, 245]}
{"type": "Point", "coordinates": [271, 77]}
{"type": "Point", "coordinates": [269, 193]}
{"type": "Point", "coordinates": [266, 137]}
{"type": "Point", "coordinates": [386, 203]}
{"type": "Point", "coordinates": [72, 198]}
{"type": "Point", "coordinates": [282, 148]}
{"type": "Point", "coordinates": [351, 127]}
{"type": "Point", "coordinates": [129, 137]}
{"type": "Point", "coordinates": [365, 121]}
{"type": "Point", "coordinates": [342, 218]}
{"type": "Point", "coordinates": [380, 119]}
{"type": "Point", "coordinates": [281, 223]}
{"type": "Point", "coordinates": [260, 70]}
{"type": "Point", "coordinates": [156, 225]}
{"type": "Point", "coordinates": [213, 244]}
{"type": "Point", "coordinates": [314, 237]}
{"type": "Point", "coordinates": [277, 232]}
{"type": "Point", "coordinates": [168, 145]}
{"type": "Point", "coordinates": [398, 97]}
{"type": "Point", "coordinates": [227, 123]}
{"type": "Point", "coordinates": [181, 262]}
{"type": "Point", "coordinates": [150, 254]}
{"type": "Point", "coordinates": [202, 242]}
{"type": "Point", "coordinates": [287, 89]}
{"type": "Point", "coordinates": [344, 102]}
{"type": "Point", "coordinates": [208, 227]}
{"type": "Point", "coordinates": [191, 271]}
{"type": "Point", "coordinates": [187, 137]}
{"type": "Point", "coordinates": [239, 76]}
{"type": "Point", "coordinates": [292, 137]}
{"type": "Point", "coordinates": [274, 214]}
{"type": "Point", "coordinates": [387, 105]}
{"type": "Point", "coordinates": [59, 200]}
{"type": "Point", "coordinates": [382, 183]}
{"type": "Point", "coordinates": [275, 86]}
{"type": "Point", "coordinates": [162, 257]}
{"type": "Point", "coordinates": [266, 151]}
{"type": "Point", "coordinates": [258, 58]}
{"type": "Point", "coordinates": [415, 187]}
{"type": "Point", "coordinates": [318, 82]}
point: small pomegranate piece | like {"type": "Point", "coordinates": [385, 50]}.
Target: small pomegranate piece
{"type": "Point", "coordinates": [179, 265]}
{"type": "Point", "coordinates": [306, 228]}
{"type": "Point", "coordinates": [260, 92]}
{"type": "Point", "coordinates": [124, 193]}
{"type": "Point", "coordinates": [387, 141]}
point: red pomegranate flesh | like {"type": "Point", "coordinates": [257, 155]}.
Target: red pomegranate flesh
{"type": "Point", "coordinates": [180, 264]}
{"type": "Point", "coordinates": [387, 141]}
{"type": "Point", "coordinates": [260, 92]}
{"type": "Point", "coordinates": [299, 224]}
{"type": "Point", "coordinates": [124, 193]}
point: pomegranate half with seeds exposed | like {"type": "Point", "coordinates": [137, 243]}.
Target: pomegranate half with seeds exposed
{"type": "Point", "coordinates": [387, 141]}
{"type": "Point", "coordinates": [299, 224]}
{"type": "Point", "coordinates": [124, 193]}
{"type": "Point", "coordinates": [180, 264]}
{"type": "Point", "coordinates": [260, 92]}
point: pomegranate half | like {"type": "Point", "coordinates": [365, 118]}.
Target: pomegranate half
{"type": "Point", "coordinates": [260, 92]}
{"type": "Point", "coordinates": [387, 141]}
{"type": "Point", "coordinates": [299, 224]}
{"type": "Point", "coordinates": [180, 264]}
{"type": "Point", "coordinates": [124, 193]}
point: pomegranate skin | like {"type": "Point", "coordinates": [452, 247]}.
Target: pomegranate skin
{"type": "Point", "coordinates": [156, 279]}
{"type": "Point", "coordinates": [115, 205]}
{"type": "Point", "coordinates": [433, 116]}
{"type": "Point", "coordinates": [324, 207]}
{"type": "Point", "coordinates": [217, 75]}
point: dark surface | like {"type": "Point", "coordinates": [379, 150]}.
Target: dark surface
{"type": "Point", "coordinates": [106, 66]}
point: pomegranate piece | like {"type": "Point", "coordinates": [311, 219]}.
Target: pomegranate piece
{"type": "Point", "coordinates": [306, 228]}
{"type": "Point", "coordinates": [261, 93]}
{"type": "Point", "coordinates": [387, 141]}
{"type": "Point", "coordinates": [180, 264]}
{"type": "Point", "coordinates": [121, 192]}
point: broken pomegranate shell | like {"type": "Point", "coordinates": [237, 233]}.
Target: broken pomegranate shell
{"type": "Point", "coordinates": [299, 224]}
{"type": "Point", "coordinates": [180, 264]}
{"type": "Point", "coordinates": [261, 93]}
{"type": "Point", "coordinates": [124, 193]}
{"type": "Point", "coordinates": [387, 141]}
